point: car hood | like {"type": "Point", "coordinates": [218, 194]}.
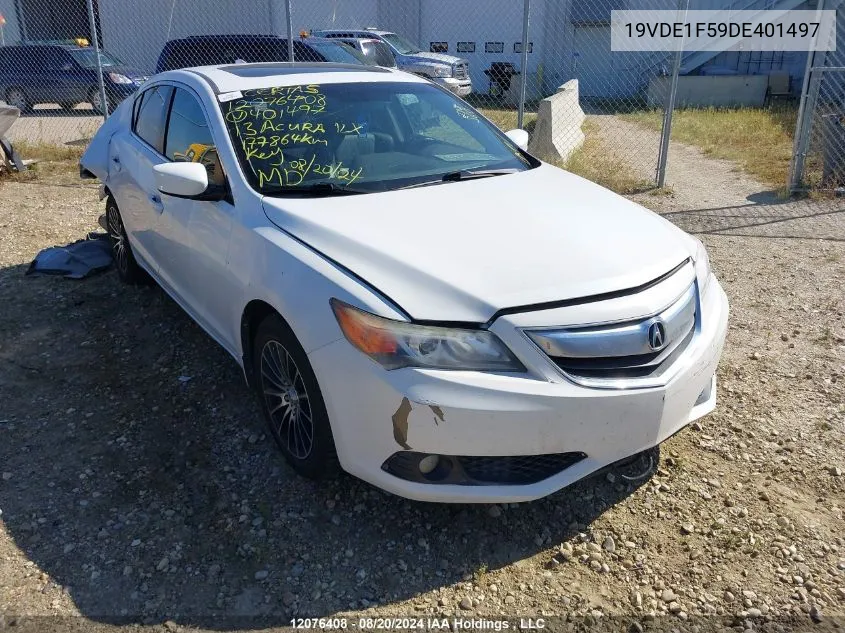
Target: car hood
{"type": "Point", "coordinates": [431, 58]}
{"type": "Point", "coordinates": [461, 251]}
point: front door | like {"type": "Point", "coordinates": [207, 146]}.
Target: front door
{"type": "Point", "coordinates": [196, 232]}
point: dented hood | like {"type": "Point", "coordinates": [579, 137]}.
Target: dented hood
{"type": "Point", "coordinates": [461, 251]}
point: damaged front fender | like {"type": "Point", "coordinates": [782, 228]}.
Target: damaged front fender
{"type": "Point", "coordinates": [400, 421]}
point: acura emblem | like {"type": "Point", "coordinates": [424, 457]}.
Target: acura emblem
{"type": "Point", "coordinates": [657, 336]}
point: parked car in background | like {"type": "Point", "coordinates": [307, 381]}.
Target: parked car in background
{"type": "Point", "coordinates": [63, 73]}
{"type": "Point", "coordinates": [407, 290]}
{"type": "Point", "coordinates": [375, 51]}
{"type": "Point", "coordinates": [209, 50]}
{"type": "Point", "coordinates": [448, 71]}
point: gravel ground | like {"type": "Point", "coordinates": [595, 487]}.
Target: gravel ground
{"type": "Point", "coordinates": [139, 487]}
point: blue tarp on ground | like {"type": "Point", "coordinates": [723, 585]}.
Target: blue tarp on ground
{"type": "Point", "coordinates": [74, 261]}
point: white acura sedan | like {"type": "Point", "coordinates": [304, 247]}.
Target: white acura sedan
{"type": "Point", "coordinates": [414, 297]}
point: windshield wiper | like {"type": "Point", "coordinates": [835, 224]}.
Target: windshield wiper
{"type": "Point", "coordinates": [457, 176]}
{"type": "Point", "coordinates": [317, 190]}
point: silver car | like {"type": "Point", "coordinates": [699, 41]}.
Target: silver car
{"type": "Point", "coordinates": [446, 70]}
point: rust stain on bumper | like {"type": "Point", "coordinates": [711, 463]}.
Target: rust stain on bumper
{"type": "Point", "coordinates": [400, 424]}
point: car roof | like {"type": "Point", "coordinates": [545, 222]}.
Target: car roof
{"type": "Point", "coordinates": [236, 77]}
{"type": "Point", "coordinates": [246, 37]}
{"type": "Point", "coordinates": [67, 47]}
{"type": "Point", "coordinates": [358, 39]}
{"type": "Point", "coordinates": [370, 31]}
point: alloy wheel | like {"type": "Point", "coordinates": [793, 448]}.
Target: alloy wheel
{"type": "Point", "coordinates": [96, 102]}
{"type": "Point", "coordinates": [117, 234]}
{"type": "Point", "coordinates": [284, 392]}
{"type": "Point", "coordinates": [17, 99]}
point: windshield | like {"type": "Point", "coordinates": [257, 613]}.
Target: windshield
{"type": "Point", "coordinates": [364, 136]}
{"type": "Point", "coordinates": [378, 52]}
{"type": "Point", "coordinates": [338, 52]}
{"type": "Point", "coordinates": [402, 45]}
{"type": "Point", "coordinates": [88, 58]}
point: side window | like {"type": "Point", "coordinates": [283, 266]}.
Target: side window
{"type": "Point", "coordinates": [189, 137]}
{"type": "Point", "coordinates": [304, 53]}
{"type": "Point", "coordinates": [152, 116]}
{"type": "Point", "coordinates": [35, 59]}
{"type": "Point", "coordinates": [61, 59]}
{"type": "Point", "coordinates": [137, 106]}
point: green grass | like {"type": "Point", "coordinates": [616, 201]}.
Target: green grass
{"type": "Point", "coordinates": [55, 164]}
{"type": "Point", "coordinates": [595, 162]}
{"type": "Point", "coordinates": [759, 140]}
{"type": "Point", "coordinates": [506, 119]}
{"type": "Point", "coordinates": [592, 160]}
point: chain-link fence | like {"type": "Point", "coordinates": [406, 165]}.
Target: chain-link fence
{"type": "Point", "coordinates": [818, 161]}
{"type": "Point", "coordinates": [545, 65]}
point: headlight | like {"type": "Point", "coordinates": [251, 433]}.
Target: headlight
{"type": "Point", "coordinates": [702, 268]}
{"type": "Point", "coordinates": [117, 78]}
{"type": "Point", "coordinates": [442, 71]}
{"type": "Point", "coordinates": [395, 344]}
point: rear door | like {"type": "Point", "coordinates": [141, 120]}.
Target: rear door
{"type": "Point", "coordinates": [70, 81]}
{"type": "Point", "coordinates": [133, 154]}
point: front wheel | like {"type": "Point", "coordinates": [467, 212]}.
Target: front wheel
{"type": "Point", "coordinates": [291, 400]}
{"type": "Point", "coordinates": [96, 101]}
{"type": "Point", "coordinates": [17, 98]}
{"type": "Point", "coordinates": [124, 261]}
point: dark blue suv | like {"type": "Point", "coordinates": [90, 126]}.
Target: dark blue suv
{"type": "Point", "coordinates": [210, 50]}
{"type": "Point", "coordinates": [62, 73]}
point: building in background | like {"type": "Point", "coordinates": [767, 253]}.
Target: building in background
{"type": "Point", "coordinates": [568, 38]}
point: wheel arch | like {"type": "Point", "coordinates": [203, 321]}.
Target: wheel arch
{"type": "Point", "coordinates": [253, 314]}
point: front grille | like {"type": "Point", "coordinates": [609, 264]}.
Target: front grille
{"type": "Point", "coordinates": [636, 366]}
{"type": "Point", "coordinates": [461, 71]}
{"type": "Point", "coordinates": [629, 354]}
{"type": "Point", "coordinates": [474, 470]}
{"type": "Point", "coordinates": [518, 469]}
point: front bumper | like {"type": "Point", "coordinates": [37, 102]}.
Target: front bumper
{"type": "Point", "coordinates": [481, 414]}
{"type": "Point", "coordinates": [460, 87]}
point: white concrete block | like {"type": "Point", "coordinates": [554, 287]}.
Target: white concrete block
{"type": "Point", "coordinates": [558, 129]}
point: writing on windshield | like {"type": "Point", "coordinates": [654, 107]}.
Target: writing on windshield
{"type": "Point", "coordinates": [285, 134]}
{"type": "Point", "coordinates": [359, 136]}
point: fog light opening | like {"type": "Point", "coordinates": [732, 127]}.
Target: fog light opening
{"type": "Point", "coordinates": [428, 464]}
{"type": "Point", "coordinates": [434, 467]}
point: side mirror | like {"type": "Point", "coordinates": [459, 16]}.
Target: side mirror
{"type": "Point", "coordinates": [519, 137]}
{"type": "Point", "coordinates": [182, 180]}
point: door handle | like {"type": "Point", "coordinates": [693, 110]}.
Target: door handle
{"type": "Point", "coordinates": [156, 203]}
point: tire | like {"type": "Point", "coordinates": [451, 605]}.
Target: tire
{"type": "Point", "coordinates": [124, 261]}
{"type": "Point", "coordinates": [94, 100]}
{"type": "Point", "coordinates": [288, 391]}
{"type": "Point", "coordinates": [17, 98]}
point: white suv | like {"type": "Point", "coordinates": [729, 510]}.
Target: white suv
{"type": "Point", "coordinates": [446, 70]}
